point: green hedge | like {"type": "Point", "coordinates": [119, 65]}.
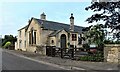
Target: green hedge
{"type": "Point", "coordinates": [111, 42]}
{"type": "Point", "coordinates": [98, 57]}
{"type": "Point", "coordinates": [7, 44]}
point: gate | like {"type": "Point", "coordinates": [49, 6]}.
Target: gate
{"type": "Point", "coordinates": [59, 52]}
{"type": "Point", "coordinates": [89, 54]}
{"type": "Point", "coordinates": [50, 51]}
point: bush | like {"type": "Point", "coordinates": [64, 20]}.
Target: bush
{"type": "Point", "coordinates": [3, 43]}
{"type": "Point", "coordinates": [117, 42]}
{"type": "Point", "coordinates": [84, 58]}
{"type": "Point", "coordinates": [98, 57]}
{"type": "Point", "coordinates": [101, 47]}
{"type": "Point", "coordinates": [111, 42]}
{"type": "Point", "coordinates": [86, 46]}
{"type": "Point", "coordinates": [7, 44]}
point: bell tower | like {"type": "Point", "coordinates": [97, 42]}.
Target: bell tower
{"type": "Point", "coordinates": [71, 22]}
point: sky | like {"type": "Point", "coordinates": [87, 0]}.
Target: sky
{"type": "Point", "coordinates": [15, 14]}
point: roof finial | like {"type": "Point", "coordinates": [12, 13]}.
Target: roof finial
{"type": "Point", "coordinates": [43, 16]}
{"type": "Point", "coordinates": [71, 16]}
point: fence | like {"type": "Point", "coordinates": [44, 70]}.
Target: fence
{"type": "Point", "coordinates": [72, 53]}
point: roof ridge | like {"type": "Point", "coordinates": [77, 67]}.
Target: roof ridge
{"type": "Point", "coordinates": [58, 22]}
{"type": "Point", "coordinates": [51, 21]}
{"type": "Point", "coordinates": [23, 27]}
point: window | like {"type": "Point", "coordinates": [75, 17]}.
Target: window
{"type": "Point", "coordinates": [20, 43]}
{"type": "Point", "coordinates": [34, 37]}
{"type": "Point", "coordinates": [25, 44]}
{"type": "Point", "coordinates": [52, 41]}
{"type": "Point", "coordinates": [20, 34]}
{"type": "Point", "coordinates": [74, 37]}
{"type": "Point", "coordinates": [29, 38]}
{"type": "Point", "coordinates": [25, 34]}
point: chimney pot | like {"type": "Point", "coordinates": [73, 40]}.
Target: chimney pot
{"type": "Point", "coordinates": [43, 16]}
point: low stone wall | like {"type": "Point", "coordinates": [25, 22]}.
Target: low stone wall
{"type": "Point", "coordinates": [41, 50]}
{"type": "Point", "coordinates": [112, 53]}
{"type": "Point", "coordinates": [31, 49]}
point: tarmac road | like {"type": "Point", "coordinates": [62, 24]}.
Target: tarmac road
{"type": "Point", "coordinates": [13, 62]}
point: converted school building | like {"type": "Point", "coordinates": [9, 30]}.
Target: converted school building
{"type": "Point", "coordinates": [48, 33]}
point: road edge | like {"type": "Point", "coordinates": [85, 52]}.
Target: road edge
{"type": "Point", "coordinates": [43, 62]}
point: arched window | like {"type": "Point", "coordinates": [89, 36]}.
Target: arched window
{"type": "Point", "coordinates": [52, 41]}
{"type": "Point", "coordinates": [32, 36]}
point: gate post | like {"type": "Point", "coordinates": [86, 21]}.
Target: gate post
{"type": "Point", "coordinates": [72, 53]}
{"type": "Point", "coordinates": [47, 50]}
{"type": "Point", "coordinates": [51, 51]}
{"type": "Point", "coordinates": [61, 52]}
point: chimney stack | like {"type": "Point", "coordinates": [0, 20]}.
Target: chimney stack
{"type": "Point", "coordinates": [71, 22]}
{"type": "Point", "coordinates": [43, 16]}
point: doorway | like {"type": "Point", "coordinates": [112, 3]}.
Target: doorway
{"type": "Point", "coordinates": [63, 41]}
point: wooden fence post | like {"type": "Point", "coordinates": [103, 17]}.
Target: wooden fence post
{"type": "Point", "coordinates": [61, 52]}
{"type": "Point", "coordinates": [72, 54]}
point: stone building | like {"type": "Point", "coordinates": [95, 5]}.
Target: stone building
{"type": "Point", "coordinates": [41, 32]}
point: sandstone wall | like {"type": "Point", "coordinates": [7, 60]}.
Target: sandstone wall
{"type": "Point", "coordinates": [112, 53]}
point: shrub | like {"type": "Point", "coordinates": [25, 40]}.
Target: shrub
{"type": "Point", "coordinates": [86, 46]}
{"type": "Point", "coordinates": [111, 42]}
{"type": "Point", "coordinates": [98, 57]}
{"type": "Point", "coordinates": [84, 58]}
{"type": "Point", "coordinates": [3, 43]}
{"type": "Point", "coordinates": [7, 44]}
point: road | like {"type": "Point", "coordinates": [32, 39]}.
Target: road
{"type": "Point", "coordinates": [13, 62]}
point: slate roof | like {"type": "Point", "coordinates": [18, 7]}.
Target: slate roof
{"type": "Point", "coordinates": [56, 26]}
{"type": "Point", "coordinates": [55, 33]}
{"type": "Point", "coordinates": [50, 25]}
{"type": "Point", "coordinates": [25, 27]}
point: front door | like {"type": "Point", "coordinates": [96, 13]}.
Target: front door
{"type": "Point", "coordinates": [63, 41]}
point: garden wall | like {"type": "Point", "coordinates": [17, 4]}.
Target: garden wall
{"type": "Point", "coordinates": [112, 53]}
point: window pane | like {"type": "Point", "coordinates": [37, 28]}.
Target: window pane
{"type": "Point", "coordinates": [29, 38]}
{"type": "Point", "coordinates": [34, 37]}
{"type": "Point", "coordinates": [74, 37]}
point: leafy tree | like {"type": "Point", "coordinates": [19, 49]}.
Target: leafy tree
{"type": "Point", "coordinates": [9, 38]}
{"type": "Point", "coordinates": [109, 13]}
{"type": "Point", "coordinates": [94, 34]}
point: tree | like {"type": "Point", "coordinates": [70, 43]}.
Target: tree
{"type": "Point", "coordinates": [7, 44]}
{"type": "Point", "coordinates": [9, 38]}
{"type": "Point", "coordinates": [108, 12]}
{"type": "Point", "coordinates": [94, 34]}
